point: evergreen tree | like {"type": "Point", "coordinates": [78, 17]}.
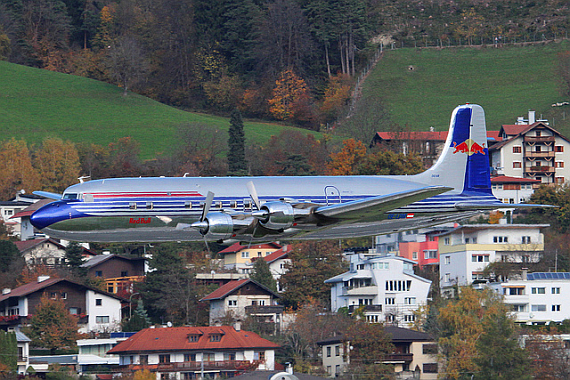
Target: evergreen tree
{"type": "Point", "coordinates": [237, 164]}
{"type": "Point", "coordinates": [262, 274]}
{"type": "Point", "coordinates": [8, 254]}
{"type": "Point", "coordinates": [74, 258]}
{"type": "Point", "coordinates": [138, 321]}
{"type": "Point", "coordinates": [8, 352]}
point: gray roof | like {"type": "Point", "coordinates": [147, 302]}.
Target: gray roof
{"type": "Point", "coordinates": [21, 337]}
{"type": "Point", "coordinates": [400, 334]}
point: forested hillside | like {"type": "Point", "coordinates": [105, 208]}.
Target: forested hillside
{"type": "Point", "coordinates": [292, 60]}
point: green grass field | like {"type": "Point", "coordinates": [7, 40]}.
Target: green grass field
{"type": "Point", "coordinates": [35, 104]}
{"type": "Point", "coordinates": [420, 87]}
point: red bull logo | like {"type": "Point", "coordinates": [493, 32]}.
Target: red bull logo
{"type": "Point", "coordinates": [139, 221]}
{"type": "Point", "coordinates": [469, 146]}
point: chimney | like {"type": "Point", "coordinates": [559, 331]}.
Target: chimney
{"type": "Point", "coordinates": [531, 117]}
{"type": "Point", "coordinates": [106, 252]}
{"type": "Point", "coordinates": [289, 369]}
{"type": "Point", "coordinates": [525, 274]}
{"type": "Point", "coordinates": [237, 325]}
{"type": "Point", "coordinates": [42, 278]}
{"type": "Point", "coordinates": [6, 291]}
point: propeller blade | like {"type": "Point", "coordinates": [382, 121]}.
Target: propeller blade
{"type": "Point", "coordinates": [253, 194]}
{"type": "Point", "coordinates": [207, 205]}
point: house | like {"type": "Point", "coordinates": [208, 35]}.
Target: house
{"type": "Point", "coordinates": [513, 189]}
{"type": "Point", "coordinates": [45, 251]}
{"type": "Point", "coordinates": [385, 287]}
{"type": "Point", "coordinates": [191, 352]}
{"type": "Point", "coordinates": [467, 250]}
{"type": "Point", "coordinates": [239, 256]}
{"type": "Point", "coordinates": [9, 209]}
{"type": "Point", "coordinates": [119, 272]}
{"type": "Point", "coordinates": [427, 144]}
{"type": "Point", "coordinates": [98, 311]}
{"type": "Point", "coordinates": [23, 352]}
{"type": "Point", "coordinates": [414, 355]}
{"type": "Point", "coordinates": [531, 149]}
{"type": "Point", "coordinates": [238, 299]}
{"type": "Point", "coordinates": [538, 298]}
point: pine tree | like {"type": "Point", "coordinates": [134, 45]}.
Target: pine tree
{"type": "Point", "coordinates": [9, 352]}
{"type": "Point", "coordinates": [138, 321]}
{"type": "Point", "coordinates": [262, 274]}
{"type": "Point", "coordinates": [237, 164]}
{"type": "Point", "coordinates": [74, 258]}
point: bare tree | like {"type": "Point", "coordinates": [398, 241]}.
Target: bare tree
{"type": "Point", "coordinates": [127, 63]}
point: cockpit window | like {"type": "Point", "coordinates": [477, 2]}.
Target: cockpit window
{"type": "Point", "coordinates": [69, 196]}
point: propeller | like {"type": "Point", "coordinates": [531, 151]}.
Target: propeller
{"type": "Point", "coordinates": [259, 214]}
{"type": "Point", "coordinates": [202, 224]}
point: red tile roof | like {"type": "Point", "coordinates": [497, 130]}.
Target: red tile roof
{"type": "Point", "coordinates": [279, 254]}
{"type": "Point", "coordinates": [425, 135]}
{"type": "Point", "coordinates": [31, 208]}
{"type": "Point", "coordinates": [507, 179]}
{"type": "Point", "coordinates": [236, 247]}
{"type": "Point", "coordinates": [177, 339]}
{"type": "Point", "coordinates": [514, 129]}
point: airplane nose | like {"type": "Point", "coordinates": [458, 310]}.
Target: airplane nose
{"type": "Point", "coordinates": [45, 216]}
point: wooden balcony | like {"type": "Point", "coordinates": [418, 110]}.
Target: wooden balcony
{"type": "Point", "coordinates": [549, 154]}
{"type": "Point", "coordinates": [539, 139]}
{"type": "Point", "coordinates": [540, 169]}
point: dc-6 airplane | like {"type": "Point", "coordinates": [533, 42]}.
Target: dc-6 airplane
{"type": "Point", "coordinates": [252, 209]}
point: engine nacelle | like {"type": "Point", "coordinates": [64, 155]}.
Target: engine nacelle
{"type": "Point", "coordinates": [220, 226]}
{"type": "Point", "coordinates": [278, 215]}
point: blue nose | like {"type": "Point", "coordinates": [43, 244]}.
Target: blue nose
{"type": "Point", "coordinates": [48, 215]}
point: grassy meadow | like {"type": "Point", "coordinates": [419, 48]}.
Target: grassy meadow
{"type": "Point", "coordinates": [420, 87]}
{"type": "Point", "coordinates": [35, 104]}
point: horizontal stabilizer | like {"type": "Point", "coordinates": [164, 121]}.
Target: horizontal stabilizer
{"type": "Point", "coordinates": [465, 206]}
{"type": "Point", "coordinates": [374, 208]}
{"type": "Point", "coordinates": [47, 194]}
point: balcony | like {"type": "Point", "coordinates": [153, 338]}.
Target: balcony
{"type": "Point", "coordinates": [539, 139]}
{"type": "Point", "coordinates": [367, 308]}
{"type": "Point", "coordinates": [540, 169]}
{"type": "Point", "coordinates": [360, 291]}
{"type": "Point", "coordinates": [549, 154]}
{"type": "Point", "coordinates": [209, 365]}
{"type": "Point", "coordinates": [398, 358]}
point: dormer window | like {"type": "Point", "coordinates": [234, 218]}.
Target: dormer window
{"type": "Point", "coordinates": [215, 338]}
{"type": "Point", "coordinates": [193, 337]}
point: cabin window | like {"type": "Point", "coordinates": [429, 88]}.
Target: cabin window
{"type": "Point", "coordinates": [133, 205]}
{"type": "Point", "coordinates": [69, 196]}
{"type": "Point", "coordinates": [188, 205]}
{"type": "Point", "coordinates": [149, 205]}
{"type": "Point", "coordinates": [233, 204]}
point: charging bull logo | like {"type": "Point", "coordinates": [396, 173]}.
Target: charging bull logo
{"type": "Point", "coordinates": [469, 146]}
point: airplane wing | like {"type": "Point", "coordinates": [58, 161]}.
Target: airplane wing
{"type": "Point", "coordinates": [374, 208]}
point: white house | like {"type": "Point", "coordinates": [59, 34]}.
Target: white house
{"type": "Point", "coordinates": [466, 250]}
{"type": "Point", "coordinates": [513, 189]}
{"type": "Point", "coordinates": [537, 298]}
{"type": "Point", "coordinates": [385, 287]}
{"type": "Point", "coordinates": [185, 353]}
{"type": "Point", "coordinates": [531, 149]}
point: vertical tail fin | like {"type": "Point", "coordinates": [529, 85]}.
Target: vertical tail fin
{"type": "Point", "coordinates": [464, 160]}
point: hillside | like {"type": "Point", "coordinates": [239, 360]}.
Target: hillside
{"type": "Point", "coordinates": [38, 103]}
{"type": "Point", "coordinates": [418, 88]}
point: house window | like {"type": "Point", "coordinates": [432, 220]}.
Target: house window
{"type": "Point", "coordinates": [53, 295]}
{"type": "Point", "coordinates": [98, 302]}
{"type": "Point", "coordinates": [245, 255]}
{"type": "Point", "coordinates": [259, 356]}
{"type": "Point", "coordinates": [559, 148]}
{"type": "Point", "coordinates": [519, 308]}
{"type": "Point", "coordinates": [164, 358]}
{"type": "Point", "coordinates": [102, 319]}
{"type": "Point", "coordinates": [232, 302]}
{"type": "Point", "coordinates": [329, 351]}
{"type": "Point", "coordinates": [215, 338]}
{"type": "Point", "coordinates": [480, 258]}
{"type": "Point", "coordinates": [229, 356]}
{"type": "Point", "coordinates": [190, 357]}
{"type": "Point", "coordinates": [538, 291]}
{"type": "Point", "coordinates": [429, 349]}
{"type": "Point", "coordinates": [193, 337]}
{"type": "Point", "coordinates": [555, 307]}
{"type": "Point", "coordinates": [430, 367]}
{"type": "Point", "coordinates": [559, 180]}
{"type": "Point", "coordinates": [446, 241]}
{"type": "Point", "coordinates": [337, 350]}
{"type": "Point", "coordinates": [538, 308]}
{"type": "Point", "coordinates": [501, 239]}
{"type": "Point", "coordinates": [390, 301]}
{"type": "Point", "coordinates": [526, 239]}
{"type": "Point", "coordinates": [555, 290]}
{"type": "Point", "coordinates": [63, 295]}
{"type": "Point", "coordinates": [125, 273]}
{"type": "Point", "coordinates": [448, 260]}
{"type": "Point", "coordinates": [447, 277]}
{"type": "Point", "coordinates": [74, 310]}
{"type": "Point", "coordinates": [559, 164]}
{"type": "Point", "coordinates": [409, 318]}
{"type": "Point", "coordinates": [415, 255]}
{"type": "Point", "coordinates": [98, 273]}
{"type": "Point", "coordinates": [517, 149]}
{"type": "Point", "coordinates": [144, 359]}
{"type": "Point", "coordinates": [517, 165]}
{"type": "Point", "coordinates": [514, 291]}
{"type": "Point", "coordinates": [409, 300]}
{"type": "Point", "coordinates": [430, 254]}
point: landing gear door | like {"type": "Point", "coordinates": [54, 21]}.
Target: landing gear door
{"type": "Point", "coordinates": [332, 195]}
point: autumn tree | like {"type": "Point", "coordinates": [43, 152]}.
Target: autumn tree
{"type": "Point", "coordinates": [57, 163]}
{"type": "Point", "coordinates": [288, 95]}
{"type": "Point", "coordinates": [551, 195]}
{"type": "Point", "coordinates": [124, 158]}
{"type": "Point", "coordinates": [311, 264]}
{"type": "Point", "coordinates": [466, 324]}
{"type": "Point", "coordinates": [198, 151]}
{"type": "Point", "coordinates": [389, 163]}
{"type": "Point", "coordinates": [348, 159]}
{"type": "Point", "coordinates": [16, 169]}
{"type": "Point", "coordinates": [127, 63]}
{"type": "Point", "coordinates": [336, 97]}
{"type": "Point", "coordinates": [52, 326]}
{"type": "Point", "coordinates": [237, 164]}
